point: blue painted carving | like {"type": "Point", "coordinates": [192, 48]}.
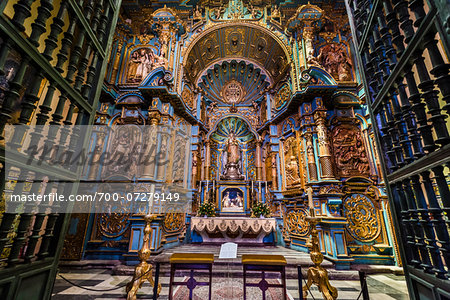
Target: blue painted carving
{"type": "Point", "coordinates": [235, 124]}
{"type": "Point", "coordinates": [252, 79]}
{"type": "Point", "coordinates": [157, 77]}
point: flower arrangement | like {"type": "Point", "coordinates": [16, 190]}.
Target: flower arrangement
{"type": "Point", "coordinates": [206, 209]}
{"type": "Point", "coordinates": [260, 209]}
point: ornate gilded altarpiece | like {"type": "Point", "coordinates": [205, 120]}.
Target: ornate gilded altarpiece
{"type": "Point", "coordinates": [273, 97]}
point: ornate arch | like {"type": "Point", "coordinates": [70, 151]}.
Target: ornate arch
{"type": "Point", "coordinates": [237, 40]}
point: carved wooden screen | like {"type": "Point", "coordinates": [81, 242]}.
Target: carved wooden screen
{"type": "Point", "coordinates": [404, 47]}
{"type": "Point", "coordinates": [53, 58]}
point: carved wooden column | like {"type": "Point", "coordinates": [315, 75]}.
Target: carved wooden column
{"type": "Point", "coordinates": [162, 154]}
{"type": "Point", "coordinates": [194, 168]}
{"type": "Point", "coordinates": [150, 153]}
{"type": "Point", "coordinates": [312, 167]}
{"type": "Point", "coordinates": [326, 162]}
{"type": "Point", "coordinates": [98, 150]}
{"type": "Point", "coordinates": [207, 159]}
{"type": "Point", "coordinates": [116, 60]}
{"type": "Point", "coordinates": [274, 171]}
{"type": "Point", "coordinates": [258, 160]}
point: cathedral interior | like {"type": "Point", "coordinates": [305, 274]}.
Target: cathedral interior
{"type": "Point", "coordinates": [314, 135]}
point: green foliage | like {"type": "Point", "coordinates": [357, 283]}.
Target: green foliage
{"type": "Point", "coordinates": [206, 209]}
{"type": "Point", "coordinates": [259, 209]}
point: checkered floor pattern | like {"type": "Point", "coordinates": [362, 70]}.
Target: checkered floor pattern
{"type": "Point", "coordinates": [381, 287]}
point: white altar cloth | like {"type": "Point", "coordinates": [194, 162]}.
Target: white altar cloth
{"type": "Point", "coordinates": [238, 226]}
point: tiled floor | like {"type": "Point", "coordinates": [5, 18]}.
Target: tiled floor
{"type": "Point", "coordinates": [381, 287]}
{"type": "Point", "coordinates": [227, 276]}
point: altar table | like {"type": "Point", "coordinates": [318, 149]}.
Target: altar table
{"type": "Point", "coordinates": [233, 229]}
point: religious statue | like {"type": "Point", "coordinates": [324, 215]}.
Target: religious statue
{"type": "Point", "coordinates": [292, 172]}
{"type": "Point", "coordinates": [233, 151]}
{"type": "Point", "coordinates": [275, 12]}
{"type": "Point", "coordinates": [141, 63]}
{"type": "Point", "coordinates": [232, 158]}
{"type": "Point", "coordinates": [197, 13]}
{"type": "Point", "coordinates": [334, 59]}
{"type": "Point", "coordinates": [133, 64]}
{"type": "Point", "coordinates": [145, 66]}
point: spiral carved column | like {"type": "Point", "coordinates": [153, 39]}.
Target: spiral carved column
{"type": "Point", "coordinates": [326, 162]}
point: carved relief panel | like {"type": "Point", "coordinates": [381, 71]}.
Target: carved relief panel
{"type": "Point", "coordinates": [349, 151]}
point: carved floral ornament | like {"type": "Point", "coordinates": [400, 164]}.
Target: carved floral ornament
{"type": "Point", "coordinates": [173, 222]}
{"type": "Point", "coordinates": [363, 224]}
{"type": "Point", "coordinates": [188, 98]}
{"type": "Point", "coordinates": [296, 222]}
{"type": "Point", "coordinates": [282, 97]}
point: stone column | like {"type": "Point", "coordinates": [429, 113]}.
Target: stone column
{"type": "Point", "coordinates": [326, 162]}
{"type": "Point", "coordinates": [258, 160]}
{"type": "Point", "coordinates": [312, 167]}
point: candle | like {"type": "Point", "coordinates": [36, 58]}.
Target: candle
{"type": "Point", "coordinates": [214, 183]}
{"type": "Point", "coordinates": [207, 185]}
{"type": "Point", "coordinates": [252, 186]}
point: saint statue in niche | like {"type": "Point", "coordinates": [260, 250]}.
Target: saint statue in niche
{"type": "Point", "coordinates": [292, 172]}
{"type": "Point", "coordinates": [232, 200]}
{"type": "Point", "coordinates": [231, 160]}
{"type": "Point", "coordinates": [142, 62]}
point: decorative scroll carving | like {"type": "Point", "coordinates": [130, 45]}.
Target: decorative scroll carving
{"type": "Point", "coordinates": [283, 96]}
{"type": "Point", "coordinates": [188, 98]}
{"type": "Point", "coordinates": [350, 153]}
{"type": "Point", "coordinates": [113, 224]}
{"type": "Point", "coordinates": [296, 222]}
{"type": "Point", "coordinates": [173, 222]}
{"type": "Point", "coordinates": [361, 214]}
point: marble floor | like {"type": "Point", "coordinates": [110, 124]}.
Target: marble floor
{"type": "Point", "coordinates": [227, 278]}
{"type": "Point", "coordinates": [381, 287]}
